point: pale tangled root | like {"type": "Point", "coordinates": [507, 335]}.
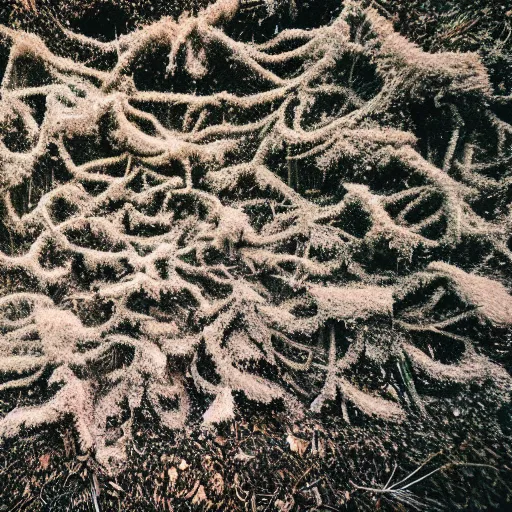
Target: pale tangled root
{"type": "Point", "coordinates": [255, 240]}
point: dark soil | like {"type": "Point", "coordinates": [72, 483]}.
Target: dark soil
{"type": "Point", "coordinates": [249, 465]}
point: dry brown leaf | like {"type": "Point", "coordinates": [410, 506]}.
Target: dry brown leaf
{"type": "Point", "coordinates": [297, 444]}
{"type": "Point", "coordinates": [285, 506]}
{"type": "Point", "coordinates": [116, 487]}
{"type": "Point", "coordinates": [44, 460]}
{"type": "Point", "coordinates": [200, 496]}
{"type": "Point", "coordinates": [173, 475]}
{"type": "Point", "coordinates": [192, 491]}
{"type": "Point", "coordinates": [183, 465]}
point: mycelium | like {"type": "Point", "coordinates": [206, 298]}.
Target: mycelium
{"type": "Point", "coordinates": [184, 210]}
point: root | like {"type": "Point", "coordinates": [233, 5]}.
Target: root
{"type": "Point", "coordinates": [151, 235]}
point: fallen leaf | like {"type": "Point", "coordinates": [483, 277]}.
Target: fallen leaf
{"type": "Point", "coordinates": [116, 487]}
{"type": "Point", "coordinates": [44, 460]}
{"type": "Point", "coordinates": [192, 491]}
{"type": "Point", "coordinates": [200, 496]}
{"type": "Point", "coordinates": [173, 475]}
{"type": "Point", "coordinates": [183, 465]}
{"type": "Point", "coordinates": [285, 506]}
{"type": "Point", "coordinates": [297, 444]}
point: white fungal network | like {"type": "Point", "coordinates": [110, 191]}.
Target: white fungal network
{"type": "Point", "coordinates": [306, 222]}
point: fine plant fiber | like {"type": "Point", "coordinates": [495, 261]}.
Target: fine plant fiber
{"type": "Point", "coordinates": [321, 216]}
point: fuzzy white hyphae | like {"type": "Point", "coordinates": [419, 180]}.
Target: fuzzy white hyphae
{"type": "Point", "coordinates": [297, 222]}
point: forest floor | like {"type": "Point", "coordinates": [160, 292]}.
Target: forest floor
{"type": "Point", "coordinates": [262, 461]}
